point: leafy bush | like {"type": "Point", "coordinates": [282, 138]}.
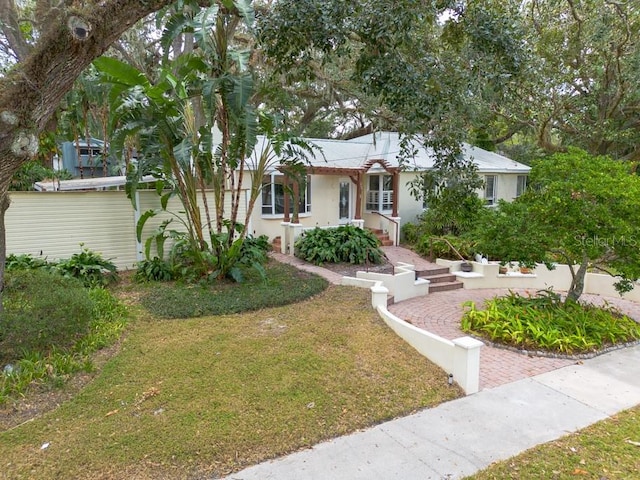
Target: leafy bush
{"type": "Point", "coordinates": [25, 261]}
{"type": "Point", "coordinates": [412, 232]}
{"type": "Point", "coordinates": [342, 244]}
{"type": "Point", "coordinates": [154, 270]}
{"type": "Point", "coordinates": [440, 248]}
{"type": "Point", "coordinates": [32, 172]}
{"type": "Point", "coordinates": [29, 368]}
{"type": "Point", "coordinates": [89, 267]}
{"type": "Point", "coordinates": [454, 216]}
{"type": "Point", "coordinates": [544, 322]}
{"type": "Point", "coordinates": [256, 245]}
{"type": "Point", "coordinates": [43, 311]}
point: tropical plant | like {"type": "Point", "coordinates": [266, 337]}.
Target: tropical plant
{"type": "Point", "coordinates": [89, 267]}
{"type": "Point", "coordinates": [345, 243]}
{"type": "Point", "coordinates": [153, 270]}
{"type": "Point", "coordinates": [32, 172]}
{"type": "Point", "coordinates": [545, 322]}
{"type": "Point", "coordinates": [197, 128]}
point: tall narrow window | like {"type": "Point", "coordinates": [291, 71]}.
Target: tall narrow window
{"type": "Point", "coordinates": [490, 189]}
{"type": "Point", "coordinates": [380, 193]}
{"type": "Point", "coordinates": [273, 193]}
{"type": "Point", "coordinates": [522, 184]}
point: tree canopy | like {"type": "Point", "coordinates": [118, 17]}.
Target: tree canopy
{"type": "Point", "coordinates": [422, 65]}
{"type": "Point", "coordinates": [582, 86]}
{"type": "Point", "coordinates": [580, 210]}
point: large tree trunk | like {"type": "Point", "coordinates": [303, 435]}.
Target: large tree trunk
{"type": "Point", "coordinates": [33, 89]}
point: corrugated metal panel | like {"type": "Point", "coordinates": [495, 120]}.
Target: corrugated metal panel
{"type": "Point", "coordinates": [53, 224]}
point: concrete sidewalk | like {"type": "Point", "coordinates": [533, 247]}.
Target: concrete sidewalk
{"type": "Point", "coordinates": [460, 437]}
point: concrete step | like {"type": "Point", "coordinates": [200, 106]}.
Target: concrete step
{"type": "Point", "coordinates": [432, 272]}
{"type": "Point", "coordinates": [440, 278]}
{"type": "Point", "coordinates": [444, 286]}
{"type": "Point", "coordinates": [384, 239]}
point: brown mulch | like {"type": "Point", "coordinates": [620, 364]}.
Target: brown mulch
{"type": "Point", "coordinates": [350, 269]}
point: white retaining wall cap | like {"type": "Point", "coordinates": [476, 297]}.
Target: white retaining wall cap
{"type": "Point", "coordinates": [467, 342]}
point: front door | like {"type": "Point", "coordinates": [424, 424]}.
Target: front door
{"type": "Point", "coordinates": [344, 202]}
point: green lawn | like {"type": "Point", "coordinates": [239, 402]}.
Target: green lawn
{"type": "Point", "coordinates": [211, 395]}
{"type": "Point", "coordinates": [608, 450]}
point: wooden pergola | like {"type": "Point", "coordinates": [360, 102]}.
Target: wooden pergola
{"type": "Point", "coordinates": [356, 174]}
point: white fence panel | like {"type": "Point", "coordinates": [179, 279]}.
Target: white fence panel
{"type": "Point", "coordinates": [54, 224]}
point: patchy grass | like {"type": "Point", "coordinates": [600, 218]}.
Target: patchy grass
{"type": "Point", "coordinates": [284, 285]}
{"type": "Point", "coordinates": [607, 450]}
{"type": "Point", "coordinates": [211, 395]}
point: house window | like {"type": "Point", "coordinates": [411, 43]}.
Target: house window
{"type": "Point", "coordinates": [490, 189]}
{"type": "Point", "coordinates": [521, 187]}
{"type": "Point", "coordinates": [380, 193]}
{"type": "Point", "coordinates": [273, 193]}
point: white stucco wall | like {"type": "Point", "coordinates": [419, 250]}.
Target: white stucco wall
{"type": "Point", "coordinates": [325, 208]}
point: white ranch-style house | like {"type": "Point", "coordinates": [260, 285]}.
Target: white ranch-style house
{"type": "Point", "coordinates": [360, 181]}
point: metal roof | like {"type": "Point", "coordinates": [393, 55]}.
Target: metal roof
{"type": "Point", "coordinates": [355, 153]}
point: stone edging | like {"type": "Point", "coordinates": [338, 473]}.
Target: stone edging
{"type": "Point", "coordinates": [541, 353]}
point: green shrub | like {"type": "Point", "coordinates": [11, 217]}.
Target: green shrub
{"type": "Point", "coordinates": [425, 246]}
{"type": "Point", "coordinates": [154, 270]}
{"type": "Point", "coordinates": [259, 246]}
{"type": "Point", "coordinates": [342, 244]}
{"type": "Point", "coordinates": [34, 171]}
{"type": "Point", "coordinates": [43, 311]}
{"type": "Point", "coordinates": [544, 322]}
{"type": "Point", "coordinates": [89, 267]}
{"type": "Point", "coordinates": [411, 233]}
{"type": "Point", "coordinates": [32, 368]}
{"type": "Point", "coordinates": [25, 261]}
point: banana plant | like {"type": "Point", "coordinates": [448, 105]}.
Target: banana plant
{"type": "Point", "coordinates": [196, 127]}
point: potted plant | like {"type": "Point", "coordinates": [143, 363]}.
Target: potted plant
{"type": "Point", "coordinates": [466, 266]}
{"type": "Point", "coordinates": [525, 270]}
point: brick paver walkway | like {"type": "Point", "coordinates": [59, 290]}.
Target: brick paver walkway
{"type": "Point", "coordinates": [440, 314]}
{"type": "Point", "coordinates": [332, 277]}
